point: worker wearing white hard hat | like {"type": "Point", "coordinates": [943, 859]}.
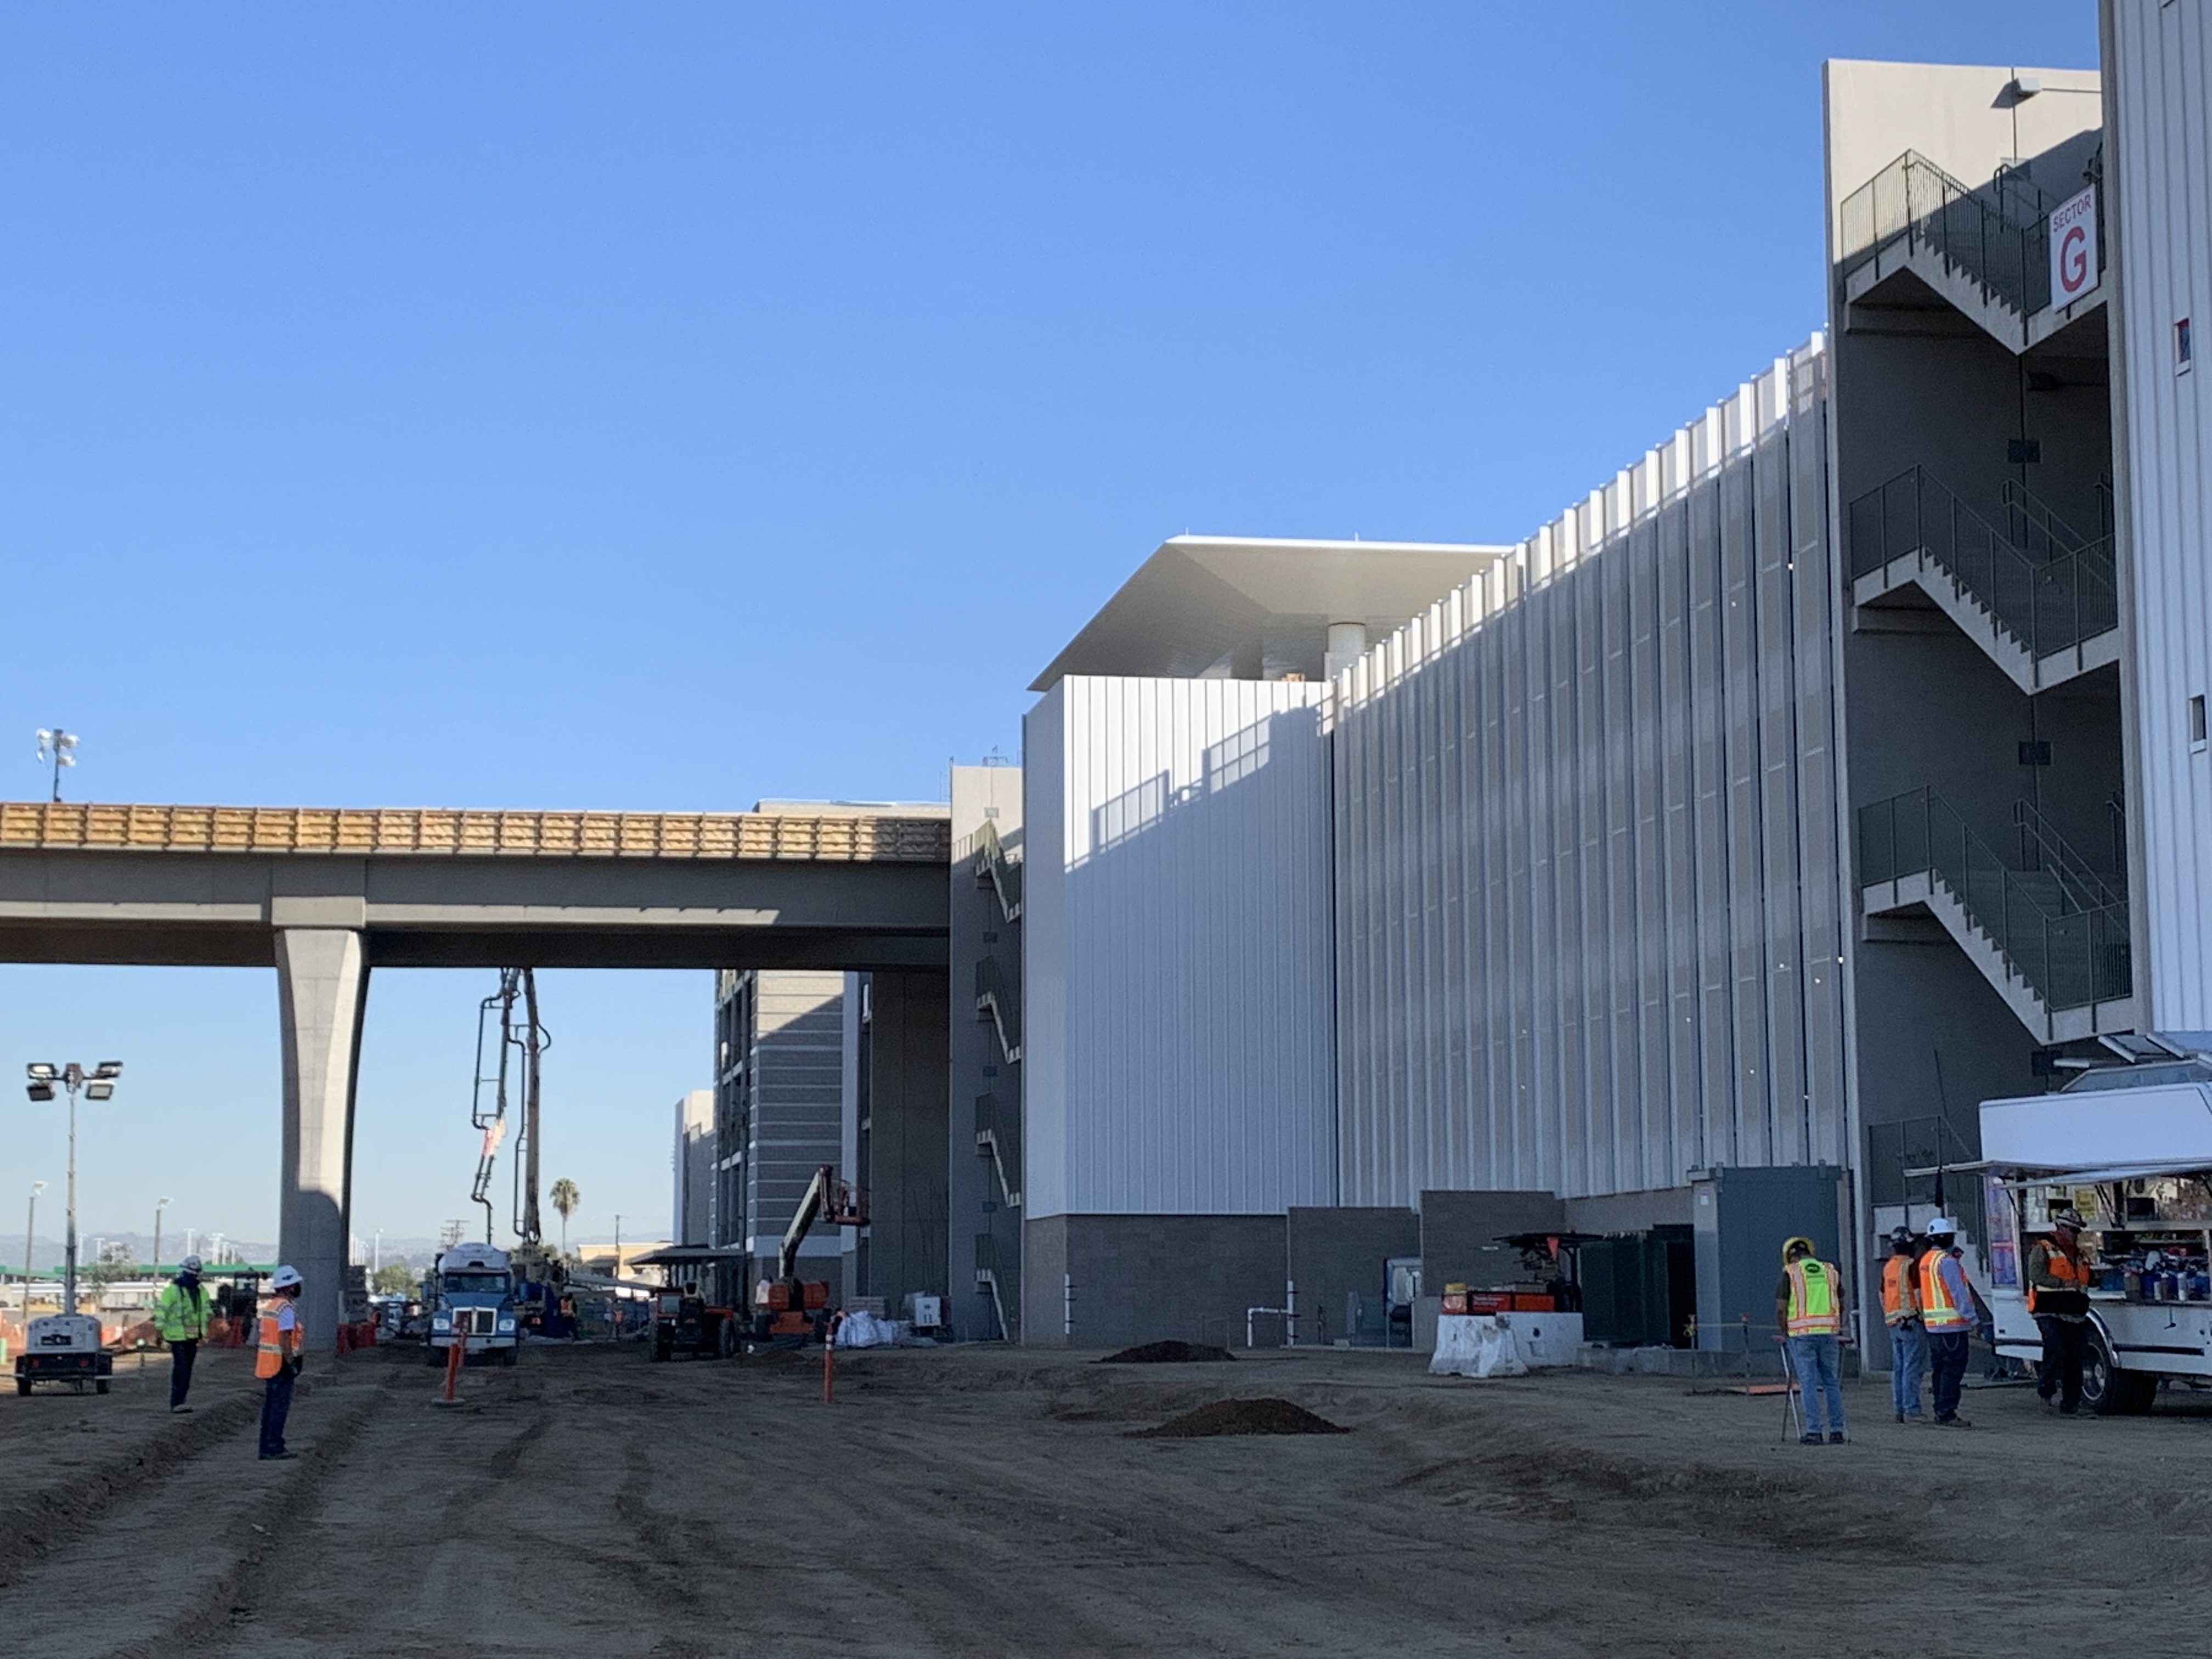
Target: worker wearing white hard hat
{"type": "Point", "coordinates": [181, 1313]}
{"type": "Point", "coordinates": [277, 1363]}
{"type": "Point", "coordinates": [1946, 1313]}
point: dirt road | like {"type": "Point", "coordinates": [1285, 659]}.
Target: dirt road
{"type": "Point", "coordinates": [978, 1502]}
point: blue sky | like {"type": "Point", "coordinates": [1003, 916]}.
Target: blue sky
{"type": "Point", "coordinates": [566, 406]}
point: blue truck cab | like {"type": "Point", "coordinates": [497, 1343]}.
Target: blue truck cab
{"type": "Point", "coordinates": [470, 1295]}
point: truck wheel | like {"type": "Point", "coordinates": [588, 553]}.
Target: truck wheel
{"type": "Point", "coordinates": [2110, 1391]}
{"type": "Point", "coordinates": [433, 1356]}
{"type": "Point", "coordinates": [506, 1357]}
{"type": "Point", "coordinates": [101, 1387]}
{"type": "Point", "coordinates": [22, 1385]}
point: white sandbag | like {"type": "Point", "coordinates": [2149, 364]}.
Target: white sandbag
{"type": "Point", "coordinates": [1475, 1345]}
{"type": "Point", "coordinates": [862, 1329]}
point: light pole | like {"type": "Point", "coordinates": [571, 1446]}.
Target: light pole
{"type": "Point", "coordinates": [617, 1246]}
{"type": "Point", "coordinates": [30, 1231]}
{"type": "Point", "coordinates": [158, 1208]}
{"type": "Point", "coordinates": [98, 1083]}
{"type": "Point", "coordinates": [56, 748]}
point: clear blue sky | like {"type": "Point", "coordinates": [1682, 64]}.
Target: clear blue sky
{"type": "Point", "coordinates": [581, 406]}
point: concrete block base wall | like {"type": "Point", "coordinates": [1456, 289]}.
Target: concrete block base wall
{"type": "Point", "coordinates": [1335, 1252]}
{"type": "Point", "coordinates": [1110, 1281]}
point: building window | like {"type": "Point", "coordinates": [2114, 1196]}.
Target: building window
{"type": "Point", "coordinates": [2197, 721]}
{"type": "Point", "coordinates": [2184, 346]}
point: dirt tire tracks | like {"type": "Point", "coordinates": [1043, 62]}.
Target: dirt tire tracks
{"type": "Point", "coordinates": [206, 1622]}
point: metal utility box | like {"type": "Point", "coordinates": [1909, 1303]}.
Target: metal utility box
{"type": "Point", "coordinates": [1740, 1217]}
{"type": "Point", "coordinates": [1639, 1290]}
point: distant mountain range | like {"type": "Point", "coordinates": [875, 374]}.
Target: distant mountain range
{"type": "Point", "coordinates": [46, 1253]}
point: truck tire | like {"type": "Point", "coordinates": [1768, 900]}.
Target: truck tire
{"type": "Point", "coordinates": [508, 1356]}
{"type": "Point", "coordinates": [22, 1385]}
{"type": "Point", "coordinates": [100, 1385]}
{"type": "Point", "coordinates": [433, 1355]}
{"type": "Point", "coordinates": [2108, 1390]}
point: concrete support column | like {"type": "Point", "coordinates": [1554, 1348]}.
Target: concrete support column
{"type": "Point", "coordinates": [322, 982]}
{"type": "Point", "coordinates": [909, 1070]}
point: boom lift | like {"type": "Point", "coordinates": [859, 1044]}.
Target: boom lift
{"type": "Point", "coordinates": [787, 1306]}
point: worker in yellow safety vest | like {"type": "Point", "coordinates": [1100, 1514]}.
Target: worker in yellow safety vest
{"type": "Point", "coordinates": [1947, 1311]}
{"type": "Point", "coordinates": [182, 1314]}
{"type": "Point", "coordinates": [2058, 1297]}
{"type": "Point", "coordinates": [1809, 1307]}
{"type": "Point", "coordinates": [277, 1363]}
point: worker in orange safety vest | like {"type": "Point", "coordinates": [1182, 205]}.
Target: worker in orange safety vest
{"type": "Point", "coordinates": [1900, 1312]}
{"type": "Point", "coordinates": [1947, 1310]}
{"type": "Point", "coordinates": [276, 1362]}
{"type": "Point", "coordinates": [2058, 1297]}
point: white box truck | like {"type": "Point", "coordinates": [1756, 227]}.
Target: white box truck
{"type": "Point", "coordinates": [2130, 1147]}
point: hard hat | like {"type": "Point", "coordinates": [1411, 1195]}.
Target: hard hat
{"type": "Point", "coordinates": [285, 1279]}
{"type": "Point", "coordinates": [190, 1264]}
{"type": "Point", "coordinates": [1901, 1234]}
{"type": "Point", "coordinates": [1801, 1242]}
{"type": "Point", "coordinates": [2067, 1216]}
{"type": "Point", "coordinates": [1942, 1226]}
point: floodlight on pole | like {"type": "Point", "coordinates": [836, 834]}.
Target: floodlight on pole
{"type": "Point", "coordinates": [99, 1084]}
{"type": "Point", "coordinates": [57, 749]}
{"type": "Point", "coordinates": [158, 1208]}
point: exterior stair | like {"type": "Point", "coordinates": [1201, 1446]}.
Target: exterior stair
{"type": "Point", "coordinates": [999, 1000]}
{"type": "Point", "coordinates": [2047, 931]}
{"type": "Point", "coordinates": [1002, 1281]}
{"type": "Point", "coordinates": [2041, 601]}
{"type": "Point", "coordinates": [998, 1140]}
{"type": "Point", "coordinates": [1985, 252]}
{"type": "Point", "coordinates": [1004, 873]}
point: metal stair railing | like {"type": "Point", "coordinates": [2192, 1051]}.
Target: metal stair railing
{"type": "Point", "coordinates": [1999, 238]}
{"type": "Point", "coordinates": [2082, 885]}
{"type": "Point", "coordinates": [1004, 873]}
{"type": "Point", "coordinates": [999, 997]}
{"type": "Point", "coordinates": [997, 1138]}
{"type": "Point", "coordinates": [2047, 604]}
{"type": "Point", "coordinates": [2069, 957]}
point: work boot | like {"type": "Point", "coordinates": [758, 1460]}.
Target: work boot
{"type": "Point", "coordinates": [1953, 1423]}
{"type": "Point", "coordinates": [2049, 1405]}
{"type": "Point", "coordinates": [1835, 1436]}
{"type": "Point", "coordinates": [1809, 1440]}
{"type": "Point", "coordinates": [1900, 1417]}
{"type": "Point", "coordinates": [179, 1410]}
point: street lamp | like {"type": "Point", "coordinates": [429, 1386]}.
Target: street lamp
{"type": "Point", "coordinates": [158, 1208]}
{"type": "Point", "coordinates": [98, 1083]}
{"type": "Point", "coordinates": [56, 748]}
{"type": "Point", "coordinates": [30, 1231]}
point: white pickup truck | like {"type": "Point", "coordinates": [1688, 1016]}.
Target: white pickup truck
{"type": "Point", "coordinates": [2130, 1147]}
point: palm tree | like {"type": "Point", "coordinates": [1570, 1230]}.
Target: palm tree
{"type": "Point", "coordinates": [566, 1199]}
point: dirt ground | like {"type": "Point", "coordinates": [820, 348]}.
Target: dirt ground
{"type": "Point", "coordinates": [979, 1501]}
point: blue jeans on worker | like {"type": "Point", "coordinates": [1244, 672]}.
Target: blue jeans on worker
{"type": "Point", "coordinates": [1814, 1359]}
{"type": "Point", "coordinates": [275, 1407]}
{"type": "Point", "coordinates": [1908, 1358]}
{"type": "Point", "coordinates": [1947, 1367]}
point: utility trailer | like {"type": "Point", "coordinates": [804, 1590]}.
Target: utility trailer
{"type": "Point", "coordinates": [2130, 1147]}
{"type": "Point", "coordinates": [64, 1347]}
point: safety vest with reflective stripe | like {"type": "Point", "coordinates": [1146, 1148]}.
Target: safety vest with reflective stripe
{"type": "Point", "coordinates": [1899, 1304]}
{"type": "Point", "coordinates": [1814, 1309]}
{"type": "Point", "coordinates": [182, 1315]}
{"type": "Point", "coordinates": [277, 1346]}
{"type": "Point", "coordinates": [1937, 1311]}
{"type": "Point", "coordinates": [2071, 1272]}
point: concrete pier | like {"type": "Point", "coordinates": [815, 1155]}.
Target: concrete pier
{"type": "Point", "coordinates": [322, 983]}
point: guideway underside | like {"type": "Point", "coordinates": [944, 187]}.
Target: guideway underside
{"type": "Point", "coordinates": [324, 896]}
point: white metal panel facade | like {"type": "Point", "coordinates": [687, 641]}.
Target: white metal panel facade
{"type": "Point", "coordinates": [2158, 172]}
{"type": "Point", "coordinates": [1179, 1038]}
{"type": "Point", "coordinates": [1590, 905]}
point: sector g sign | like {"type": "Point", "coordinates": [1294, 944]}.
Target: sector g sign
{"type": "Point", "coordinates": [2073, 247]}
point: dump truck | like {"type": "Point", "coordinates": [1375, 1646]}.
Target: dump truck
{"type": "Point", "coordinates": [471, 1300]}
{"type": "Point", "coordinates": [2129, 1146]}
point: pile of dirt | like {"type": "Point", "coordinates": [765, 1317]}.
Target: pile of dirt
{"type": "Point", "coordinates": [1165, 1353]}
{"type": "Point", "coordinates": [1265, 1415]}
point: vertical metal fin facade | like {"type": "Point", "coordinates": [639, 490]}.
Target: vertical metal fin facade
{"type": "Point", "coordinates": [2159, 142]}
{"type": "Point", "coordinates": [1588, 876]}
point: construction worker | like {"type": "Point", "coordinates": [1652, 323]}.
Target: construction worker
{"type": "Point", "coordinates": [1900, 1312]}
{"type": "Point", "coordinates": [1946, 1312]}
{"type": "Point", "coordinates": [1809, 1307]}
{"type": "Point", "coordinates": [277, 1362]}
{"type": "Point", "coordinates": [182, 1314]}
{"type": "Point", "coordinates": [2058, 1297]}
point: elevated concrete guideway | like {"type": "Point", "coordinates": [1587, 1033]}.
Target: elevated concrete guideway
{"type": "Point", "coordinates": [325, 895]}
